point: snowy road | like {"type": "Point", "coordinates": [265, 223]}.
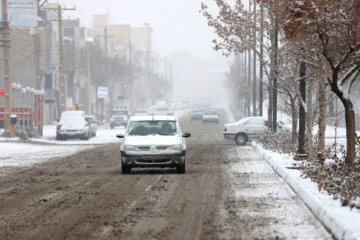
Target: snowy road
{"type": "Point", "coordinates": [228, 192]}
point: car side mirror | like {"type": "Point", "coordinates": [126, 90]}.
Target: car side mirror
{"type": "Point", "coordinates": [120, 135]}
{"type": "Point", "coordinates": [186, 135]}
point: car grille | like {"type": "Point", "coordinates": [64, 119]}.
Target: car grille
{"type": "Point", "coordinates": [145, 149]}
{"type": "Point", "coordinates": [153, 161]}
{"type": "Point", "coordinates": [161, 148]}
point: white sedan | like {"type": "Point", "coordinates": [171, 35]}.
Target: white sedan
{"type": "Point", "coordinates": [153, 141]}
{"type": "Point", "coordinates": [248, 129]}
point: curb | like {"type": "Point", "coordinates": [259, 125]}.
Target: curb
{"type": "Point", "coordinates": [331, 223]}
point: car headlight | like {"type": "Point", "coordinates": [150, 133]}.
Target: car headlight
{"type": "Point", "coordinates": [177, 147]}
{"type": "Point", "coordinates": [130, 148]}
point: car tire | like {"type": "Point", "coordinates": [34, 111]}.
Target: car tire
{"type": "Point", "coordinates": [125, 169]}
{"type": "Point", "coordinates": [241, 139]}
{"type": "Point", "coordinates": [84, 137]}
{"type": "Point", "coordinates": [59, 137]}
{"type": "Point", "coordinates": [181, 169]}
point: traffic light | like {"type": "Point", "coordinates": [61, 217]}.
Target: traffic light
{"type": "Point", "coordinates": [1, 92]}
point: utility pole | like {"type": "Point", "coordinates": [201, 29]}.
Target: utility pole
{"type": "Point", "coordinates": [37, 52]}
{"type": "Point", "coordinates": [59, 10]}
{"type": "Point", "coordinates": [254, 63]}
{"type": "Point", "coordinates": [261, 59]}
{"type": "Point", "coordinates": [249, 74]}
{"type": "Point", "coordinates": [89, 83]}
{"type": "Point", "coordinates": [106, 37]}
{"type": "Point", "coordinates": [61, 62]}
{"type": "Point", "coordinates": [274, 126]}
{"type": "Point", "coordinates": [7, 89]}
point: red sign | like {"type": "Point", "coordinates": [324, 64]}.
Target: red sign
{"type": "Point", "coordinates": [1, 92]}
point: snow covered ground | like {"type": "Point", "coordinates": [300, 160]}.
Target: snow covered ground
{"type": "Point", "coordinates": [16, 154]}
{"type": "Point", "coordinates": [341, 221]}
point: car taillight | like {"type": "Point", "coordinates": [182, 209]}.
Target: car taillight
{"type": "Point", "coordinates": [225, 129]}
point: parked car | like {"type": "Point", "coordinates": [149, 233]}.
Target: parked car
{"type": "Point", "coordinates": [153, 141]}
{"type": "Point", "coordinates": [210, 116]}
{"type": "Point", "coordinates": [196, 114]}
{"type": "Point", "coordinates": [248, 129]}
{"type": "Point", "coordinates": [119, 117]}
{"type": "Point", "coordinates": [92, 124]}
{"type": "Point", "coordinates": [72, 124]}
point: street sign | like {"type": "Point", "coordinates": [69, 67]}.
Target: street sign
{"type": "Point", "coordinates": [1, 92]}
{"type": "Point", "coordinates": [22, 13]}
{"type": "Point", "coordinates": [102, 92]}
{"type": "Point", "coordinates": [50, 100]}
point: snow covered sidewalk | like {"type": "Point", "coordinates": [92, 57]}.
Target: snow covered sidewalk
{"type": "Point", "coordinates": [342, 222]}
{"type": "Point", "coordinates": [16, 154]}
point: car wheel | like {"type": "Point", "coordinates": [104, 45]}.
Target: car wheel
{"type": "Point", "coordinates": [125, 169]}
{"type": "Point", "coordinates": [241, 139]}
{"type": "Point", "coordinates": [181, 168]}
{"type": "Point", "coordinates": [85, 137]}
{"type": "Point", "coordinates": [59, 137]}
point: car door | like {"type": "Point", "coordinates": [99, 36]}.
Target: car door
{"type": "Point", "coordinates": [255, 127]}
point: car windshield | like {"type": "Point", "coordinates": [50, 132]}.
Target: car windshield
{"type": "Point", "coordinates": [72, 116]}
{"type": "Point", "coordinates": [210, 113]}
{"type": "Point", "coordinates": [145, 128]}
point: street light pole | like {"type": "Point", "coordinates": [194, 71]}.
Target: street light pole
{"type": "Point", "coordinates": [7, 88]}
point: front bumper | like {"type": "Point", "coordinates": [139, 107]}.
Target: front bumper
{"type": "Point", "coordinates": [210, 119]}
{"type": "Point", "coordinates": [153, 160]}
{"type": "Point", "coordinates": [70, 133]}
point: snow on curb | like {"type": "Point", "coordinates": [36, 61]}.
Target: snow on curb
{"type": "Point", "coordinates": [331, 221]}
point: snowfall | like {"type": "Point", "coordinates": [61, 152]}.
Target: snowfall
{"type": "Point", "coordinates": [343, 222]}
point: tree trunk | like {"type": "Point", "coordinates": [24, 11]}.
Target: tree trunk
{"type": "Point", "coordinates": [294, 120]}
{"type": "Point", "coordinates": [270, 107]}
{"type": "Point", "coordinates": [309, 120]}
{"type": "Point", "coordinates": [349, 119]}
{"type": "Point", "coordinates": [322, 114]}
{"type": "Point", "coordinates": [350, 132]}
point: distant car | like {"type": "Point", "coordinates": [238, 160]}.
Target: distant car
{"type": "Point", "coordinates": [92, 124]}
{"type": "Point", "coordinates": [153, 141]}
{"type": "Point", "coordinates": [161, 110]}
{"type": "Point", "coordinates": [73, 124]}
{"type": "Point", "coordinates": [141, 112]}
{"type": "Point", "coordinates": [210, 116]}
{"type": "Point", "coordinates": [119, 117]}
{"type": "Point", "coordinates": [196, 114]}
{"type": "Point", "coordinates": [248, 129]}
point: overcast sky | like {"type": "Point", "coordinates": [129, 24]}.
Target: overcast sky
{"type": "Point", "coordinates": [178, 26]}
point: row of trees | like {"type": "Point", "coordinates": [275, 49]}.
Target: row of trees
{"type": "Point", "coordinates": [312, 41]}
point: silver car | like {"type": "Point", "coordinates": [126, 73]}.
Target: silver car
{"type": "Point", "coordinates": [73, 124]}
{"type": "Point", "coordinates": [153, 141]}
{"type": "Point", "coordinates": [248, 129]}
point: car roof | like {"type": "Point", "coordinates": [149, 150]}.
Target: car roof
{"type": "Point", "coordinates": [153, 117]}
